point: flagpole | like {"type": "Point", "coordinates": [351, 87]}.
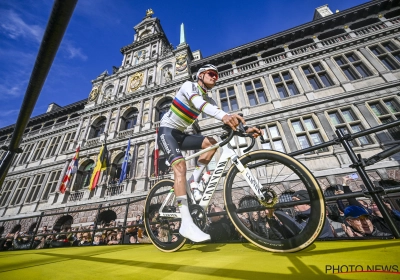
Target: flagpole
{"type": "Point", "coordinates": [105, 144]}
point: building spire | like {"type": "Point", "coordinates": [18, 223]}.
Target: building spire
{"type": "Point", "coordinates": [183, 38]}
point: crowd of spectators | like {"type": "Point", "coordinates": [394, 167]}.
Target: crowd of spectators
{"type": "Point", "coordinates": [105, 234]}
{"type": "Point", "coordinates": [345, 218]}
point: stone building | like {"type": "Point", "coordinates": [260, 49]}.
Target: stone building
{"type": "Point", "coordinates": [338, 71]}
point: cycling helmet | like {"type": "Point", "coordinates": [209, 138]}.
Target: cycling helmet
{"type": "Point", "coordinates": [205, 68]}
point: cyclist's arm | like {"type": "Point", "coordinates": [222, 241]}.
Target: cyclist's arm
{"type": "Point", "coordinates": [203, 106]}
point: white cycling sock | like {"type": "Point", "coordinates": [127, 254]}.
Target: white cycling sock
{"type": "Point", "coordinates": [184, 208]}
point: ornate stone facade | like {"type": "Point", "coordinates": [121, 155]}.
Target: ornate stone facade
{"type": "Point", "coordinates": [339, 71]}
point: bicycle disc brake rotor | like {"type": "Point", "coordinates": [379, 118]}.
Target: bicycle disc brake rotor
{"type": "Point", "coordinates": [198, 215]}
{"type": "Point", "coordinates": [270, 197]}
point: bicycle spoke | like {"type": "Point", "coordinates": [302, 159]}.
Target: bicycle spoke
{"type": "Point", "coordinates": [274, 226]}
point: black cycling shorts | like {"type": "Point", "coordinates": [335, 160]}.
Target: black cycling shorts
{"type": "Point", "coordinates": [173, 141]}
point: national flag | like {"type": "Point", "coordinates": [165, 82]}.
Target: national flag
{"type": "Point", "coordinates": [132, 170]}
{"type": "Point", "coordinates": [72, 168]}
{"type": "Point", "coordinates": [156, 157]}
{"type": "Point", "coordinates": [101, 164]}
{"type": "Point", "coordinates": [124, 167]}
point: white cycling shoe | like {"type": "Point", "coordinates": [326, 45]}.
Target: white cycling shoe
{"type": "Point", "coordinates": [192, 232]}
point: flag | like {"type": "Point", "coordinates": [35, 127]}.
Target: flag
{"type": "Point", "coordinates": [124, 167]}
{"type": "Point", "coordinates": [101, 164]}
{"type": "Point", "coordinates": [156, 155]}
{"type": "Point", "coordinates": [72, 168]}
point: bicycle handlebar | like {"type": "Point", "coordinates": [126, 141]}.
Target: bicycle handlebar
{"type": "Point", "coordinates": [240, 132]}
{"type": "Point", "coordinates": [229, 137]}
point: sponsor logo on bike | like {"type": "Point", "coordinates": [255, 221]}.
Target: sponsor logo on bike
{"type": "Point", "coordinates": [254, 183]}
{"type": "Point", "coordinates": [168, 215]}
{"type": "Point", "coordinates": [214, 181]}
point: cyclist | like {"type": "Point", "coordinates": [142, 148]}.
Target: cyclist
{"type": "Point", "coordinates": [189, 102]}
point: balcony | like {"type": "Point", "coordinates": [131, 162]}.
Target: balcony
{"type": "Point", "coordinates": [353, 35]}
{"type": "Point", "coordinates": [93, 142]}
{"type": "Point", "coordinates": [126, 133]}
{"type": "Point", "coordinates": [75, 196]}
{"type": "Point", "coordinates": [335, 39]}
{"type": "Point", "coordinates": [113, 190]}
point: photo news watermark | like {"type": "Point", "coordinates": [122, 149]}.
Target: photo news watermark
{"type": "Point", "coordinates": [354, 268]}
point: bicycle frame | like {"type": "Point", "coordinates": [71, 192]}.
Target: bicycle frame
{"type": "Point", "coordinates": [227, 154]}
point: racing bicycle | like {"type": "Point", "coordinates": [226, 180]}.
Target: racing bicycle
{"type": "Point", "coordinates": [260, 180]}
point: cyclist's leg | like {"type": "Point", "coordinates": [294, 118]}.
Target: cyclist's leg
{"type": "Point", "coordinates": [168, 140]}
{"type": "Point", "coordinates": [195, 142]}
{"type": "Point", "coordinates": [206, 157]}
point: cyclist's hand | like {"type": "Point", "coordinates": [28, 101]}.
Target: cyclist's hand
{"type": "Point", "coordinates": [254, 131]}
{"type": "Point", "coordinates": [233, 120]}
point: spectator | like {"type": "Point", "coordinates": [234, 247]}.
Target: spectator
{"type": "Point", "coordinates": [258, 224]}
{"type": "Point", "coordinates": [337, 227]}
{"type": "Point", "coordinates": [156, 217]}
{"type": "Point", "coordinates": [112, 237]}
{"type": "Point", "coordinates": [220, 229]}
{"type": "Point", "coordinates": [23, 242]}
{"type": "Point", "coordinates": [343, 189]}
{"type": "Point", "coordinates": [139, 219]}
{"type": "Point", "coordinates": [7, 243]}
{"type": "Point", "coordinates": [132, 232]}
{"type": "Point", "coordinates": [164, 234]}
{"type": "Point", "coordinates": [98, 239]}
{"type": "Point", "coordinates": [86, 239]}
{"type": "Point", "coordinates": [269, 232]}
{"type": "Point", "coordinates": [379, 222]}
{"type": "Point", "coordinates": [303, 213]}
{"type": "Point", "coordinates": [60, 240]}
{"type": "Point", "coordinates": [365, 205]}
{"type": "Point", "coordinates": [119, 237]}
{"type": "Point", "coordinates": [360, 223]}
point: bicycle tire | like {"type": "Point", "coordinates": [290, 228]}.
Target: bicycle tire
{"type": "Point", "coordinates": [292, 236]}
{"type": "Point", "coordinates": [154, 199]}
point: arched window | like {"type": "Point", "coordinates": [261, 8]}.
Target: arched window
{"type": "Point", "coordinates": [118, 169]}
{"type": "Point", "coordinates": [83, 177]}
{"type": "Point", "coordinates": [99, 128]}
{"type": "Point", "coordinates": [131, 119]}
{"type": "Point", "coordinates": [163, 108]}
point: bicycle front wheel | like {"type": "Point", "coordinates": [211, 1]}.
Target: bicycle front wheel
{"type": "Point", "coordinates": [279, 224]}
{"type": "Point", "coordinates": [162, 231]}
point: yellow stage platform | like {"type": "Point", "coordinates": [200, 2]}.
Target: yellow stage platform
{"type": "Point", "coordinates": [367, 259]}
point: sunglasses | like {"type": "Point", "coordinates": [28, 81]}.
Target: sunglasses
{"type": "Point", "coordinates": [212, 75]}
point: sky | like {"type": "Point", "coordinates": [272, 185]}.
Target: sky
{"type": "Point", "coordinates": [99, 28]}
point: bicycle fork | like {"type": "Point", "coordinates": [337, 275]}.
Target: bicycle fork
{"type": "Point", "coordinates": [248, 176]}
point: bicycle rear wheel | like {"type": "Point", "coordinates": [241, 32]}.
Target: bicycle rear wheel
{"type": "Point", "coordinates": [162, 231]}
{"type": "Point", "coordinates": [280, 175]}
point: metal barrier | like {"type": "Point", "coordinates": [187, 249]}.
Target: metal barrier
{"type": "Point", "coordinates": [357, 162]}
